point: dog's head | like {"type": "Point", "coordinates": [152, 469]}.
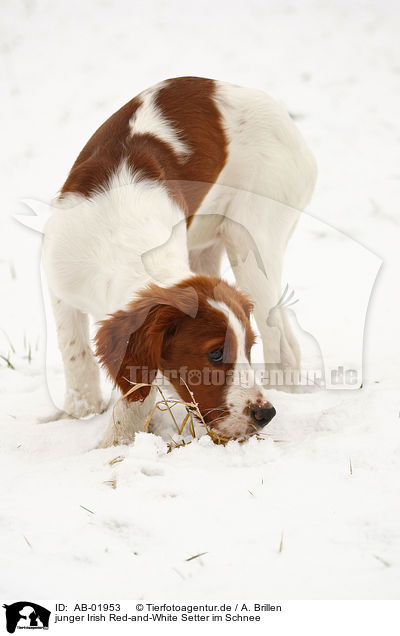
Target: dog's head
{"type": "Point", "coordinates": [198, 334]}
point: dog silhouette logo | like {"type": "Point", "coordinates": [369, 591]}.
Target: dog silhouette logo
{"type": "Point", "coordinates": [26, 615]}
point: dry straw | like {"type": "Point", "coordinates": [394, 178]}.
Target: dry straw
{"type": "Point", "coordinates": [167, 404]}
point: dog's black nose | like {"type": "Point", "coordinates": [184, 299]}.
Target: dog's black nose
{"type": "Point", "coordinates": [262, 415]}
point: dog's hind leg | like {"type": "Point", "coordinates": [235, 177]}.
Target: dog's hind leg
{"type": "Point", "coordinates": [255, 232]}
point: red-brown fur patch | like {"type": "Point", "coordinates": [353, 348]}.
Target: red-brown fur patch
{"type": "Point", "coordinates": [187, 103]}
{"type": "Point", "coordinates": [102, 154]}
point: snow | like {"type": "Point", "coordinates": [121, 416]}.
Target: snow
{"type": "Point", "coordinates": [311, 510]}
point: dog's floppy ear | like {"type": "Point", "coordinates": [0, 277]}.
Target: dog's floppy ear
{"type": "Point", "coordinates": [129, 343]}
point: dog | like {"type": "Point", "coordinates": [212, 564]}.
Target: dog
{"type": "Point", "coordinates": [188, 170]}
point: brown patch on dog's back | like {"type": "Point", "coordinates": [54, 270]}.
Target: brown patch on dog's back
{"type": "Point", "coordinates": [102, 154]}
{"type": "Point", "coordinates": [187, 103]}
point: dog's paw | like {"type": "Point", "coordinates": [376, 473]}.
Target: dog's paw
{"type": "Point", "coordinates": [115, 435]}
{"type": "Point", "coordinates": [81, 405]}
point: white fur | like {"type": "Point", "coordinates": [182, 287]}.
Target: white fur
{"type": "Point", "coordinates": [147, 119]}
{"type": "Point", "coordinates": [99, 252]}
{"type": "Point", "coordinates": [267, 154]}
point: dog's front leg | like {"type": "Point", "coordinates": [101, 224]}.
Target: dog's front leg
{"type": "Point", "coordinates": [127, 418]}
{"type": "Point", "coordinates": [81, 370]}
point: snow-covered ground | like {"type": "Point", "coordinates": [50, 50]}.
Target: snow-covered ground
{"type": "Point", "coordinates": [311, 511]}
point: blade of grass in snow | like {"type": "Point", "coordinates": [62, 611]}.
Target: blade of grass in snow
{"type": "Point", "coordinates": [9, 363]}
{"type": "Point", "coordinates": [87, 509]}
{"type": "Point", "coordinates": [9, 341]}
{"type": "Point", "coordinates": [13, 273]}
{"type": "Point", "coordinates": [177, 571]}
{"type": "Point", "coordinates": [385, 563]}
{"type": "Point", "coordinates": [111, 482]}
{"type": "Point", "coordinates": [196, 556]}
{"type": "Point", "coordinates": [185, 419]}
{"type": "Point", "coordinates": [116, 460]}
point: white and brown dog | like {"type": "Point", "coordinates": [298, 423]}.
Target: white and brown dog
{"type": "Point", "coordinates": [184, 171]}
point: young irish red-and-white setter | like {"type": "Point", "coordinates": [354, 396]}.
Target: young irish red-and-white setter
{"type": "Point", "coordinates": [186, 170]}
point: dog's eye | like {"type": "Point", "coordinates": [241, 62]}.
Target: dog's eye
{"type": "Point", "coordinates": [216, 356]}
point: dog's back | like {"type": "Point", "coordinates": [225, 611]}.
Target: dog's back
{"type": "Point", "coordinates": [180, 137]}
